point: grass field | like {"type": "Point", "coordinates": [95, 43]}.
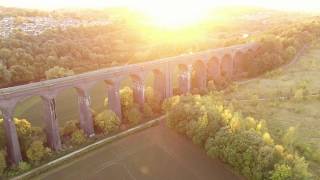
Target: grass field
{"type": "Point", "coordinates": [301, 83]}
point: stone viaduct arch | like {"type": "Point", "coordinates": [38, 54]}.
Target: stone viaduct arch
{"type": "Point", "coordinates": [211, 64]}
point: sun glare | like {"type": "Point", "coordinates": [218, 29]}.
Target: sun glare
{"type": "Point", "coordinates": [166, 13]}
{"type": "Point", "coordinates": [174, 14]}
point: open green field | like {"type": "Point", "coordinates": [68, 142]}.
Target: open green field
{"type": "Point", "coordinates": [287, 98]}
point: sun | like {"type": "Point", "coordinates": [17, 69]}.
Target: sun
{"type": "Point", "coordinates": [173, 14]}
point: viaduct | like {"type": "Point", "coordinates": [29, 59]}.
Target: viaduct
{"type": "Point", "coordinates": [210, 64]}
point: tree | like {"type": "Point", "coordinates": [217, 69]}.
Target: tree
{"type": "Point", "coordinates": [69, 128]}
{"type": "Point", "coordinates": [134, 115]}
{"type": "Point", "coordinates": [282, 172]}
{"type": "Point", "coordinates": [78, 137]}
{"type": "Point", "coordinates": [126, 98]}
{"type": "Point", "coordinates": [5, 74]}
{"type": "Point", "coordinates": [244, 143]}
{"type": "Point", "coordinates": [147, 111]}
{"type": "Point", "coordinates": [37, 152]}
{"type": "Point", "coordinates": [5, 53]}
{"type": "Point", "coordinates": [106, 122]}
{"type": "Point", "coordinates": [3, 164]}
{"type": "Point", "coordinates": [21, 74]}
{"type": "Point", "coordinates": [58, 72]}
{"type": "Point", "coordinates": [290, 52]}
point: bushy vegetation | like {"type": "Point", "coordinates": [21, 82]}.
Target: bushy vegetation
{"type": "Point", "coordinates": [37, 152]}
{"type": "Point", "coordinates": [134, 115]}
{"type": "Point", "coordinates": [131, 111]}
{"type": "Point", "coordinates": [279, 45]}
{"type": "Point", "coordinates": [153, 100]}
{"type": "Point", "coordinates": [78, 137]}
{"type": "Point", "coordinates": [3, 164]}
{"type": "Point", "coordinates": [72, 134]}
{"type": "Point", "coordinates": [126, 101]}
{"type": "Point", "coordinates": [69, 128]}
{"type": "Point", "coordinates": [242, 142]}
{"type": "Point", "coordinates": [57, 72]}
{"type": "Point", "coordinates": [32, 143]}
{"type": "Point", "coordinates": [26, 134]}
{"type": "Point", "coordinates": [20, 168]}
{"type": "Point", "coordinates": [106, 122]}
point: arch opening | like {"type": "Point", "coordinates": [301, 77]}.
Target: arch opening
{"type": "Point", "coordinates": [227, 67]}
{"type": "Point", "coordinates": [199, 76]}
{"type": "Point", "coordinates": [182, 79]}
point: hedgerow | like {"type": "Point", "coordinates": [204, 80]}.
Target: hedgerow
{"type": "Point", "coordinates": [242, 142]}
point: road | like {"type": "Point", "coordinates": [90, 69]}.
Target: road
{"type": "Point", "coordinates": [157, 153]}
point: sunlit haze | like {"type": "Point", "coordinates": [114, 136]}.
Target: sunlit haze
{"type": "Point", "coordinates": [313, 5]}
{"type": "Point", "coordinates": [306, 5]}
{"type": "Point", "coordinates": [166, 12]}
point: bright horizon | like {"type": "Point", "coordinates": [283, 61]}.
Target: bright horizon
{"type": "Point", "coordinates": [296, 5]}
{"type": "Point", "coordinates": [166, 13]}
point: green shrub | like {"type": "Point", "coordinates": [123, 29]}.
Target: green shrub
{"type": "Point", "coordinates": [37, 152]}
{"type": "Point", "coordinates": [309, 151]}
{"type": "Point", "coordinates": [23, 126]}
{"type": "Point", "coordinates": [20, 168]}
{"type": "Point", "coordinates": [69, 128]}
{"type": "Point", "coordinates": [282, 172]}
{"type": "Point", "coordinates": [134, 116]}
{"type": "Point", "coordinates": [2, 135]}
{"type": "Point", "coordinates": [26, 134]}
{"type": "Point", "coordinates": [292, 167]}
{"type": "Point", "coordinates": [153, 99]}
{"type": "Point", "coordinates": [290, 52]}
{"type": "Point", "coordinates": [147, 111]}
{"type": "Point", "coordinates": [78, 137]}
{"type": "Point", "coordinates": [126, 98]}
{"type": "Point", "coordinates": [106, 122]}
{"type": "Point", "coordinates": [3, 164]}
{"type": "Point", "coordinates": [211, 86]}
{"type": "Point", "coordinates": [23, 166]}
{"type": "Point", "coordinates": [241, 150]}
{"type": "Point", "coordinates": [57, 72]}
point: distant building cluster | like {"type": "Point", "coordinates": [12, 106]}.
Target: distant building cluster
{"type": "Point", "coordinates": [37, 25]}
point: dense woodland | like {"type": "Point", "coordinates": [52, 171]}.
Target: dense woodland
{"type": "Point", "coordinates": [57, 53]}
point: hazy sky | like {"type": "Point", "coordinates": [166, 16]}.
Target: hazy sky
{"type": "Point", "coordinates": [306, 5]}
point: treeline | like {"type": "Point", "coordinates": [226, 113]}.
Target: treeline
{"type": "Point", "coordinates": [16, 12]}
{"type": "Point", "coordinates": [279, 45]}
{"type": "Point", "coordinates": [57, 53]}
{"type": "Point", "coordinates": [87, 14]}
{"type": "Point", "coordinates": [26, 58]}
{"type": "Point", "coordinates": [242, 142]}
